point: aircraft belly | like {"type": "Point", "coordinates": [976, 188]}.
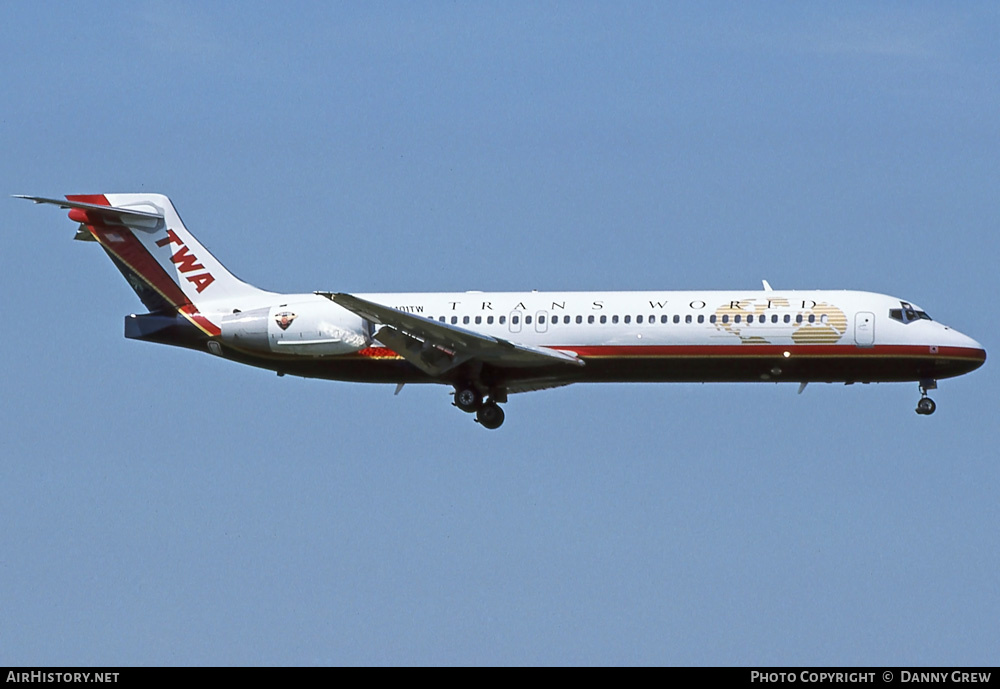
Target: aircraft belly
{"type": "Point", "coordinates": [709, 369]}
{"type": "Point", "coordinates": [748, 364]}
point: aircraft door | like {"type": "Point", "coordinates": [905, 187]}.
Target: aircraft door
{"type": "Point", "coordinates": [541, 321]}
{"type": "Point", "coordinates": [864, 329]}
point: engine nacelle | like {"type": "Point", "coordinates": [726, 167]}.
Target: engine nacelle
{"type": "Point", "coordinates": [315, 328]}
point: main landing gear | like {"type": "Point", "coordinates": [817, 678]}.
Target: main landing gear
{"type": "Point", "coordinates": [926, 405]}
{"type": "Point", "coordinates": [490, 415]}
{"type": "Point", "coordinates": [488, 412]}
{"type": "Point", "coordinates": [468, 399]}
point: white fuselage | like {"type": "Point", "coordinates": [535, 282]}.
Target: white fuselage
{"type": "Point", "coordinates": [779, 335]}
{"type": "Point", "coordinates": [794, 318]}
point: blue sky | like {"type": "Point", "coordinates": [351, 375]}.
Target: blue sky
{"type": "Point", "coordinates": [166, 507]}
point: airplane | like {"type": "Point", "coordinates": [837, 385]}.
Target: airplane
{"type": "Point", "coordinates": [488, 345]}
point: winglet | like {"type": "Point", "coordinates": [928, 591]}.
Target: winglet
{"type": "Point", "coordinates": [767, 286]}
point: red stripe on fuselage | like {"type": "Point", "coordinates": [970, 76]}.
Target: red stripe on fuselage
{"type": "Point", "coordinates": [121, 242]}
{"type": "Point", "coordinates": [190, 312]}
{"type": "Point", "coordinates": [697, 364]}
{"type": "Point", "coordinates": [378, 353]}
{"type": "Point", "coordinates": [748, 351]}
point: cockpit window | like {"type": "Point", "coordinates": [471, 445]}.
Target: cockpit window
{"type": "Point", "coordinates": [908, 313]}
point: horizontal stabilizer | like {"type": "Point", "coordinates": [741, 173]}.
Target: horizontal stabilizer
{"type": "Point", "coordinates": [108, 215]}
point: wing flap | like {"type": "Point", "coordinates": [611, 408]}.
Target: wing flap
{"type": "Point", "coordinates": [535, 385]}
{"type": "Point", "coordinates": [432, 360]}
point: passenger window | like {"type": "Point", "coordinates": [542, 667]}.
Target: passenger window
{"type": "Point", "coordinates": [736, 318]}
{"type": "Point", "coordinates": [465, 320]}
{"type": "Point", "coordinates": [677, 319]}
{"type": "Point", "coordinates": [711, 319]}
{"type": "Point", "coordinates": [750, 318]}
{"type": "Point", "coordinates": [502, 320]}
{"type": "Point", "coordinates": [442, 319]}
{"type": "Point", "coordinates": [664, 319]}
{"type": "Point", "coordinates": [798, 318]}
{"type": "Point", "coordinates": [541, 320]}
{"type": "Point", "coordinates": [604, 319]}
{"type": "Point", "coordinates": [725, 318]}
{"type": "Point", "coordinates": [812, 318]}
{"type": "Point", "coordinates": [515, 320]}
{"type": "Point", "coordinates": [774, 318]}
{"type": "Point", "coordinates": [579, 319]}
{"type": "Point", "coordinates": [479, 319]}
{"type": "Point", "coordinates": [489, 320]}
{"type": "Point", "coordinates": [454, 320]}
{"type": "Point", "coordinates": [638, 319]}
{"type": "Point", "coordinates": [590, 319]}
{"type": "Point", "coordinates": [687, 319]}
{"type": "Point", "coordinates": [701, 318]}
{"type": "Point", "coordinates": [788, 318]}
{"type": "Point", "coordinates": [527, 320]}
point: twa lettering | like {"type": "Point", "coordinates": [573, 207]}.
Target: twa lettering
{"type": "Point", "coordinates": [187, 262]}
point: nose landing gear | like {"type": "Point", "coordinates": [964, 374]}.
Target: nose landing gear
{"type": "Point", "coordinates": [926, 405]}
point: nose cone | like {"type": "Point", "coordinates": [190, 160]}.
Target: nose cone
{"type": "Point", "coordinates": [962, 347]}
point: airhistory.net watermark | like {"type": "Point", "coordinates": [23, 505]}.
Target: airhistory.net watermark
{"type": "Point", "coordinates": [62, 677]}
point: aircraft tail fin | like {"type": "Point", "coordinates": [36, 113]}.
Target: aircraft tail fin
{"type": "Point", "coordinates": [145, 238]}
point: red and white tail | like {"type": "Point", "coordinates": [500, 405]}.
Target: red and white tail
{"type": "Point", "coordinates": [167, 267]}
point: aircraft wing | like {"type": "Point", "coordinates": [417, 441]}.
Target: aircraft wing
{"type": "Point", "coordinates": [436, 347]}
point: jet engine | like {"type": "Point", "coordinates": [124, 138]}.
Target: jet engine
{"type": "Point", "coordinates": [315, 328]}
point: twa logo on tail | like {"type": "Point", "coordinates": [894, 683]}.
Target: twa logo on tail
{"type": "Point", "coordinates": [187, 262]}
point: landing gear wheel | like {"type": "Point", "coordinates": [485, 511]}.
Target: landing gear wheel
{"type": "Point", "coordinates": [468, 399]}
{"type": "Point", "coordinates": [926, 406]}
{"type": "Point", "coordinates": [490, 415]}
